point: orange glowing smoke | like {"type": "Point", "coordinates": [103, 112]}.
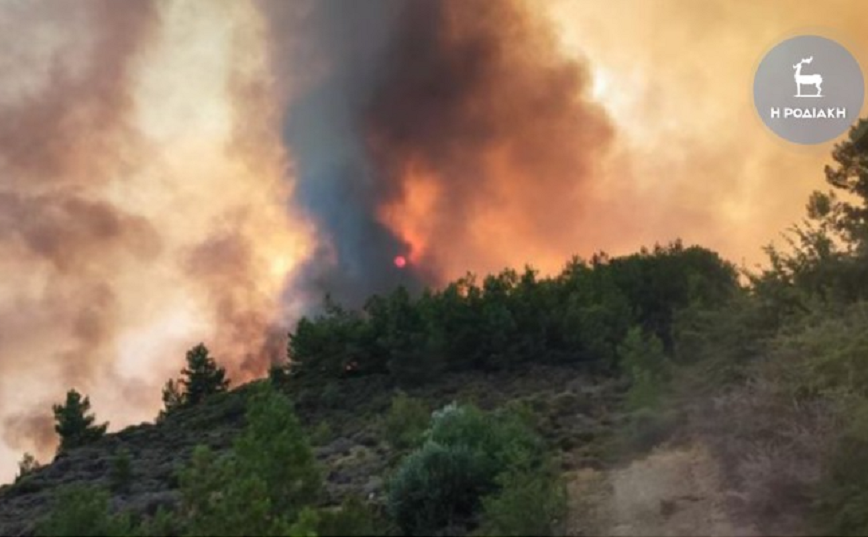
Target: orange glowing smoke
{"type": "Point", "coordinates": [521, 132]}
{"type": "Point", "coordinates": [409, 217]}
{"type": "Point", "coordinates": [146, 195]}
{"type": "Point", "coordinates": [144, 190]}
{"type": "Point", "coordinates": [487, 136]}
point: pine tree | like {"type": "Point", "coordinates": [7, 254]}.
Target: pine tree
{"type": "Point", "coordinates": [265, 486]}
{"type": "Point", "coordinates": [202, 376]}
{"type": "Point", "coordinates": [27, 466]}
{"type": "Point", "coordinates": [75, 424]}
{"type": "Point", "coordinates": [172, 398]}
{"type": "Point", "coordinates": [200, 379]}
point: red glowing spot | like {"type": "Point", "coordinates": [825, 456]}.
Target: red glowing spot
{"type": "Point", "coordinates": [400, 261]}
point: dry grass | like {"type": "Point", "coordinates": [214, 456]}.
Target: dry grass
{"type": "Point", "coordinates": [772, 449]}
{"type": "Point", "coordinates": [673, 491]}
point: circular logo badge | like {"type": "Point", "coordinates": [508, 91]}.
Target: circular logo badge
{"type": "Point", "coordinates": [809, 89]}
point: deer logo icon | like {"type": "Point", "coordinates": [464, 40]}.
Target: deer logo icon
{"type": "Point", "coordinates": [807, 80]}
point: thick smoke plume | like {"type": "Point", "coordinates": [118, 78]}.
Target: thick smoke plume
{"type": "Point", "coordinates": [143, 205]}
{"type": "Point", "coordinates": [64, 133]}
{"type": "Point", "coordinates": [485, 135]}
{"type": "Point", "coordinates": [177, 172]}
{"type": "Point", "coordinates": [452, 133]}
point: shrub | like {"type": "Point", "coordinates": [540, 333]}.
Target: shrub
{"type": "Point", "coordinates": [503, 438]}
{"type": "Point", "coordinates": [274, 447]}
{"type": "Point", "coordinates": [162, 524]}
{"type": "Point", "coordinates": [121, 475]}
{"type": "Point", "coordinates": [354, 517]}
{"type": "Point", "coordinates": [263, 486]}
{"type": "Point", "coordinates": [331, 396]}
{"type": "Point", "coordinates": [406, 422]}
{"type": "Point", "coordinates": [441, 484]}
{"type": "Point", "coordinates": [648, 428]}
{"type": "Point", "coordinates": [528, 503]}
{"type": "Point", "coordinates": [321, 434]}
{"type": "Point", "coordinates": [643, 359]}
{"type": "Point", "coordinates": [437, 486]}
{"type": "Point", "coordinates": [843, 500]}
{"type": "Point", "coordinates": [218, 499]}
{"type": "Point", "coordinates": [75, 424]}
{"type": "Point", "coordinates": [173, 398]}
{"type": "Point", "coordinates": [27, 466]}
{"type": "Point", "coordinates": [82, 510]}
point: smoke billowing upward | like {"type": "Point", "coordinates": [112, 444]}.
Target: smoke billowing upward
{"type": "Point", "coordinates": [61, 133]}
{"type": "Point", "coordinates": [177, 172]}
{"type": "Point", "coordinates": [143, 206]}
{"type": "Point", "coordinates": [447, 132]}
{"type": "Point", "coordinates": [484, 134]}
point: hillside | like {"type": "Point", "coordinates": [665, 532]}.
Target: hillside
{"type": "Point", "coordinates": [577, 413]}
{"type": "Point", "coordinates": [656, 393]}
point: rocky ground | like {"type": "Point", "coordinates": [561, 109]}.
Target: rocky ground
{"type": "Point", "coordinates": [673, 491]}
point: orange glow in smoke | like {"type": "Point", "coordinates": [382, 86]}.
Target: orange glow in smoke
{"type": "Point", "coordinates": [410, 216]}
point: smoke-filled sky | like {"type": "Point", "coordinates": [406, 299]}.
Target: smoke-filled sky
{"type": "Point", "coordinates": [182, 171]}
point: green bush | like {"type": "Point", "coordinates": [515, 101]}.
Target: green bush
{"type": "Point", "coordinates": [354, 517]}
{"type": "Point", "coordinates": [331, 396]}
{"type": "Point", "coordinates": [121, 475]}
{"type": "Point", "coordinates": [528, 503]}
{"type": "Point", "coordinates": [441, 484]}
{"type": "Point", "coordinates": [27, 466]}
{"type": "Point", "coordinates": [81, 510]}
{"type": "Point", "coordinates": [843, 495]}
{"type": "Point", "coordinates": [263, 485]}
{"type": "Point", "coordinates": [321, 434]}
{"type": "Point", "coordinates": [438, 486]}
{"type": "Point", "coordinates": [644, 361]}
{"type": "Point", "coordinates": [503, 438]}
{"type": "Point", "coordinates": [162, 524]}
{"type": "Point", "coordinates": [406, 422]}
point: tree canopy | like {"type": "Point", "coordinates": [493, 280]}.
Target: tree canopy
{"type": "Point", "coordinates": [75, 424]}
{"type": "Point", "coordinates": [200, 379]}
{"type": "Point", "coordinates": [578, 316]}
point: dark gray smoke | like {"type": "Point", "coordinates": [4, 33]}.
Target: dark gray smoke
{"type": "Point", "coordinates": [446, 86]}
{"type": "Point", "coordinates": [333, 53]}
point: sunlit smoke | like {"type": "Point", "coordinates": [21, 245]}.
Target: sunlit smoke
{"type": "Point", "coordinates": [176, 172]}
{"type": "Point", "coordinates": [144, 201]}
{"type": "Point", "coordinates": [454, 131]}
{"type": "Point", "coordinates": [694, 160]}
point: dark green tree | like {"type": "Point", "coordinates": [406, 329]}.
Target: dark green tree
{"type": "Point", "coordinates": [263, 486]}
{"type": "Point", "coordinates": [826, 253]}
{"type": "Point", "coordinates": [27, 466]}
{"type": "Point", "coordinates": [121, 474]}
{"type": "Point", "coordinates": [439, 486]}
{"type": "Point", "coordinates": [75, 424]}
{"type": "Point", "coordinates": [173, 397]}
{"type": "Point", "coordinates": [200, 379]}
{"type": "Point", "coordinates": [83, 510]}
{"type": "Point", "coordinates": [849, 175]}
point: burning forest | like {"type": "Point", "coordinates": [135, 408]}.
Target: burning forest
{"type": "Point", "coordinates": [345, 185]}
